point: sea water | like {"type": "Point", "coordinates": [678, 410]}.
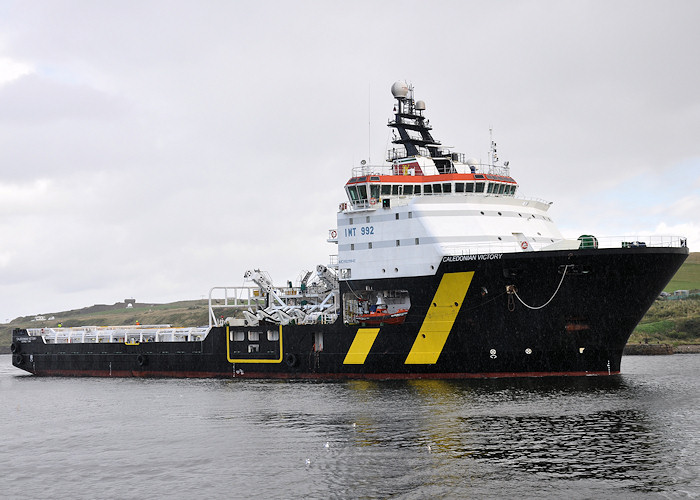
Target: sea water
{"type": "Point", "coordinates": [636, 435]}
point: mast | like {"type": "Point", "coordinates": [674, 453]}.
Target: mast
{"type": "Point", "coordinates": [409, 117]}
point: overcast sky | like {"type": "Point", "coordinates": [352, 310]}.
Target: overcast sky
{"type": "Point", "coordinates": [153, 149]}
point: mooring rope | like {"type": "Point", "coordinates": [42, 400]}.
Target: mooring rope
{"type": "Point", "coordinates": [511, 290]}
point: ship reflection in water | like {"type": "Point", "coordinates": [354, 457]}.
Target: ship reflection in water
{"type": "Point", "coordinates": [627, 436]}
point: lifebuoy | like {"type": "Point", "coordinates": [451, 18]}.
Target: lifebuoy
{"type": "Point", "coordinates": [372, 201]}
{"type": "Point", "coordinates": [15, 347]}
{"type": "Point", "coordinates": [334, 234]}
{"type": "Point", "coordinates": [291, 359]}
{"type": "Point", "coordinates": [523, 245]}
{"type": "Point", "coordinates": [18, 359]}
{"type": "Point", "coordinates": [142, 359]}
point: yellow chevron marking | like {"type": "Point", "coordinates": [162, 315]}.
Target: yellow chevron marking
{"type": "Point", "coordinates": [439, 320]}
{"type": "Point", "coordinates": [361, 344]}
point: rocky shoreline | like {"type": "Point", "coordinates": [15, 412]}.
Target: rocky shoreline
{"type": "Point", "coordinates": [659, 349]}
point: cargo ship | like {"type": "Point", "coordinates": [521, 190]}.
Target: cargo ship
{"type": "Point", "coordinates": [443, 270]}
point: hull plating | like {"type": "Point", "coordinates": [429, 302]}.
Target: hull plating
{"type": "Point", "coordinates": [463, 323]}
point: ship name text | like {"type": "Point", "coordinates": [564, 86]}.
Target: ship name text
{"type": "Point", "coordinates": [481, 256]}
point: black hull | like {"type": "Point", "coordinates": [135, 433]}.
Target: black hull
{"type": "Point", "coordinates": [473, 329]}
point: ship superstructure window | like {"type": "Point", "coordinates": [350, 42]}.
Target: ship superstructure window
{"type": "Point", "coordinates": [374, 191]}
{"type": "Point", "coordinates": [417, 241]}
{"type": "Point", "coordinates": [238, 336]}
{"type": "Point", "coordinates": [408, 189]}
{"type": "Point", "coordinates": [369, 245]}
{"type": "Point", "coordinates": [469, 187]}
{"type": "Point", "coordinates": [459, 187]}
{"type": "Point", "coordinates": [447, 187]}
{"type": "Point", "coordinates": [352, 190]}
{"type": "Point", "coordinates": [437, 188]}
{"type": "Point", "coordinates": [398, 243]}
{"type": "Point", "coordinates": [395, 190]}
{"type": "Point", "coordinates": [273, 335]}
{"type": "Point", "coordinates": [386, 189]}
{"type": "Point", "coordinates": [253, 348]}
{"type": "Point", "coordinates": [479, 187]}
{"type": "Point", "coordinates": [428, 189]}
{"type": "Point", "coordinates": [362, 192]}
{"type": "Point", "coordinates": [417, 190]}
{"type": "Point", "coordinates": [254, 336]}
{"type": "Point", "coordinates": [490, 188]}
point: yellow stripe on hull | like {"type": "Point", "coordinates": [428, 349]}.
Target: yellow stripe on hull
{"type": "Point", "coordinates": [439, 320]}
{"type": "Point", "coordinates": [361, 345]}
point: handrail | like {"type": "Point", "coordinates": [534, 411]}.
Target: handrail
{"type": "Point", "coordinates": [604, 242]}
{"type": "Point", "coordinates": [461, 168]}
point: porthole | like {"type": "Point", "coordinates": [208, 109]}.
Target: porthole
{"type": "Point", "coordinates": [528, 351]}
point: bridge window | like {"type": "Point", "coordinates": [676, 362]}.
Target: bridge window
{"type": "Point", "coordinates": [374, 191]}
{"type": "Point", "coordinates": [469, 187]}
{"type": "Point", "coordinates": [254, 336]}
{"type": "Point", "coordinates": [238, 336]}
{"type": "Point", "coordinates": [416, 190]}
{"type": "Point", "coordinates": [479, 187]}
{"type": "Point", "coordinates": [352, 190]}
{"type": "Point", "coordinates": [408, 189]}
{"type": "Point", "coordinates": [395, 190]}
{"type": "Point", "coordinates": [447, 187]}
{"type": "Point", "coordinates": [437, 188]}
{"type": "Point", "coordinates": [459, 187]}
{"type": "Point", "coordinates": [362, 191]}
{"type": "Point", "coordinates": [386, 189]}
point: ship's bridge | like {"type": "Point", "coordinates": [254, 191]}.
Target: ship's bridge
{"type": "Point", "coordinates": [419, 176]}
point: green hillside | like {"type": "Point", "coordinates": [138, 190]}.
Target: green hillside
{"type": "Point", "coordinates": [688, 276]}
{"type": "Point", "coordinates": [668, 321]}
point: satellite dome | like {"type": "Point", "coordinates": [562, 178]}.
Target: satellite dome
{"type": "Point", "coordinates": [472, 162]}
{"type": "Point", "coordinates": [399, 89]}
{"type": "Point", "coordinates": [420, 105]}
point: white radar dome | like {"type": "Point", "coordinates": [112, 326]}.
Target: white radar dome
{"type": "Point", "coordinates": [472, 162]}
{"type": "Point", "coordinates": [399, 89]}
{"type": "Point", "coordinates": [420, 105]}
